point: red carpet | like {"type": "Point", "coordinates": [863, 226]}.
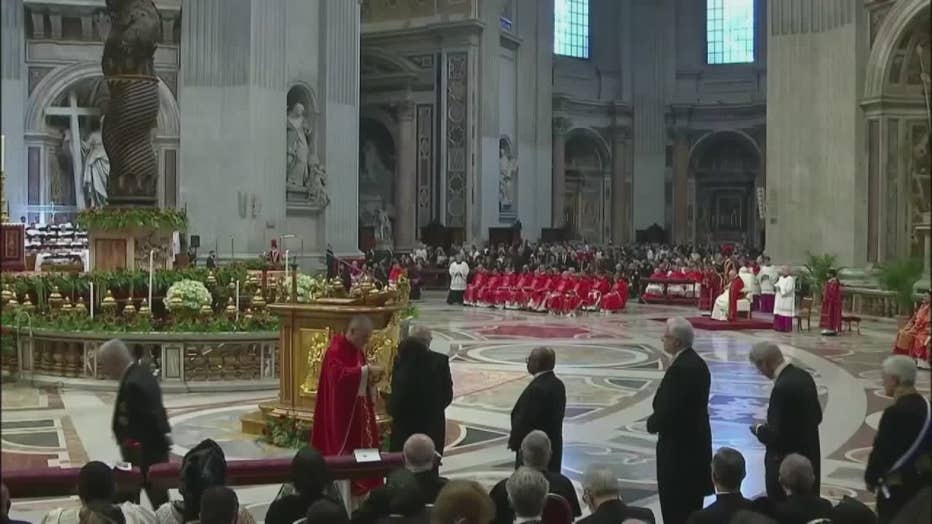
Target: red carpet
{"type": "Point", "coordinates": [741, 324]}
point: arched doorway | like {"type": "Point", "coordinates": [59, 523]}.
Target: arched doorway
{"type": "Point", "coordinates": [377, 160]}
{"type": "Point", "coordinates": [587, 201]}
{"type": "Point", "coordinates": [723, 179]}
{"type": "Point", "coordinates": [898, 107]}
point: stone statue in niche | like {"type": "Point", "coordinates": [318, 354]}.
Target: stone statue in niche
{"type": "Point", "coordinates": [383, 230]}
{"type": "Point", "coordinates": [305, 178]}
{"type": "Point", "coordinates": [508, 172]}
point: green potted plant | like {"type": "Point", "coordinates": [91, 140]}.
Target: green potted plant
{"type": "Point", "coordinates": [899, 276]}
{"type": "Point", "coordinates": [817, 267]}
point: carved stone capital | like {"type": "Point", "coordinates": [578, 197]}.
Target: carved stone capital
{"type": "Point", "coordinates": [561, 125]}
{"type": "Point", "coordinates": [405, 110]}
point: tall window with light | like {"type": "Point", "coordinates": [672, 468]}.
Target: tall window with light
{"type": "Point", "coordinates": [730, 31]}
{"type": "Point", "coordinates": [571, 28]}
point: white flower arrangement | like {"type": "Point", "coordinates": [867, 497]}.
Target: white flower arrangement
{"type": "Point", "coordinates": [193, 294]}
{"type": "Point", "coordinates": [309, 287]}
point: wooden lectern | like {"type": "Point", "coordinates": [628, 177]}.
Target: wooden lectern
{"type": "Point", "coordinates": [306, 330]}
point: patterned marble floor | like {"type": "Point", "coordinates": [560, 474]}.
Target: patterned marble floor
{"type": "Point", "coordinates": [611, 366]}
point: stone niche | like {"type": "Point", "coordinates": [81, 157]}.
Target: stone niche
{"type": "Point", "coordinates": [129, 249]}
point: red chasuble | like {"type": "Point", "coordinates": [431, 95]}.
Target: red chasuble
{"type": "Point", "coordinates": [831, 306]}
{"type": "Point", "coordinates": [735, 292]}
{"type": "Point", "coordinates": [344, 420]}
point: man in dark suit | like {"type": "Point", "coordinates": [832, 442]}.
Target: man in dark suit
{"type": "Point", "coordinates": [535, 452]}
{"type": "Point", "coordinates": [527, 493]}
{"type": "Point", "coordinates": [728, 470]}
{"type": "Point", "coordinates": [793, 416]}
{"type": "Point", "coordinates": [422, 388]}
{"type": "Point", "coordinates": [541, 406]}
{"type": "Point", "coordinates": [140, 424]}
{"type": "Point", "coordinates": [419, 455]}
{"type": "Point", "coordinates": [893, 473]}
{"type": "Point", "coordinates": [602, 494]}
{"type": "Point", "coordinates": [802, 503]}
{"type": "Point", "coordinates": [681, 422]}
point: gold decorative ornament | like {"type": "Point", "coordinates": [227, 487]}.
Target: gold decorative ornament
{"type": "Point", "coordinates": [12, 302]}
{"type": "Point", "coordinates": [258, 301]}
{"type": "Point", "coordinates": [6, 294]}
{"type": "Point", "coordinates": [231, 308]}
{"type": "Point", "coordinates": [66, 306]}
{"type": "Point", "coordinates": [108, 305]}
{"type": "Point", "coordinates": [247, 316]}
{"type": "Point", "coordinates": [381, 349]}
{"type": "Point", "coordinates": [55, 298]}
{"type": "Point", "coordinates": [130, 310]}
{"type": "Point", "coordinates": [27, 304]}
{"type": "Point", "coordinates": [211, 279]}
{"type": "Point", "coordinates": [205, 311]}
{"type": "Point", "coordinates": [144, 310]}
{"type": "Point", "coordinates": [80, 307]}
{"type": "Point", "coordinates": [314, 342]}
{"type": "Point", "coordinates": [175, 303]}
{"type": "Point", "coordinates": [335, 288]}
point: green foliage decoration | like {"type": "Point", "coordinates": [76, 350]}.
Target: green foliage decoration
{"type": "Point", "coordinates": [115, 218]}
{"type": "Point", "coordinates": [899, 277]}
{"type": "Point", "coordinates": [818, 267]}
{"type": "Point", "coordinates": [287, 433]}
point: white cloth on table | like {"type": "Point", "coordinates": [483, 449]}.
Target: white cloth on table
{"type": "Point", "coordinates": [784, 303]}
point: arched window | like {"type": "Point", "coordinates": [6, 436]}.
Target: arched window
{"type": "Point", "coordinates": [571, 28]}
{"type": "Point", "coordinates": [729, 31]}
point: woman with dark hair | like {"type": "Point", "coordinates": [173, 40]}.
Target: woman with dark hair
{"type": "Point", "coordinates": [96, 489]}
{"type": "Point", "coordinates": [312, 482]}
{"type": "Point", "coordinates": [203, 467]}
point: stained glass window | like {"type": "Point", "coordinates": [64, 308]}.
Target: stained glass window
{"type": "Point", "coordinates": [730, 31]}
{"type": "Point", "coordinates": [571, 28]}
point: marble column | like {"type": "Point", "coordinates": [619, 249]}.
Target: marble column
{"type": "Point", "coordinates": [13, 87]}
{"type": "Point", "coordinates": [680, 185]}
{"type": "Point", "coordinates": [406, 181]}
{"type": "Point", "coordinates": [340, 69]}
{"type": "Point", "coordinates": [622, 192]}
{"type": "Point", "coordinates": [558, 194]}
{"type": "Point", "coordinates": [232, 161]}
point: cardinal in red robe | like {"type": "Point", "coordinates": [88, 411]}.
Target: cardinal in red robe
{"type": "Point", "coordinates": [616, 299]}
{"type": "Point", "coordinates": [469, 298]}
{"type": "Point", "coordinates": [344, 417]}
{"type": "Point", "coordinates": [830, 322]}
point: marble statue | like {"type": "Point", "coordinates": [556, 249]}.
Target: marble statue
{"type": "Point", "coordinates": [383, 230]}
{"type": "Point", "coordinates": [299, 139]}
{"type": "Point", "coordinates": [96, 171]}
{"type": "Point", "coordinates": [508, 169]}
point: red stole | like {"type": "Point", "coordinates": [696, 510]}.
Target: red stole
{"type": "Point", "coordinates": [735, 292]}
{"type": "Point", "coordinates": [831, 306]}
{"type": "Point", "coordinates": [343, 420]}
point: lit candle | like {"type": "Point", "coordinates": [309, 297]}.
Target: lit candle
{"type": "Point", "coordinates": [237, 300]}
{"type": "Point", "coordinates": [286, 265]}
{"type": "Point", "coordinates": [92, 300]}
{"type": "Point", "coordinates": [151, 273]}
{"type": "Point", "coordinates": [2, 152]}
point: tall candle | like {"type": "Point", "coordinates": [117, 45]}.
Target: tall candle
{"type": "Point", "coordinates": [92, 300]}
{"type": "Point", "coordinates": [151, 273]}
{"type": "Point", "coordinates": [237, 300]}
{"type": "Point", "coordinates": [232, 251]}
{"type": "Point", "coordinates": [2, 152]}
{"type": "Point", "coordinates": [286, 264]}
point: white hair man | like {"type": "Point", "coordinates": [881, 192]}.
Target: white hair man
{"type": "Point", "coordinates": [344, 419]}
{"type": "Point", "coordinates": [681, 422]}
{"type": "Point", "coordinates": [602, 494]}
{"type": "Point", "coordinates": [420, 458]}
{"type": "Point", "coordinates": [802, 503]}
{"type": "Point", "coordinates": [535, 454]}
{"type": "Point", "coordinates": [893, 472]}
{"type": "Point", "coordinates": [140, 424]}
{"type": "Point", "coordinates": [527, 492]}
{"type": "Point", "coordinates": [793, 415]}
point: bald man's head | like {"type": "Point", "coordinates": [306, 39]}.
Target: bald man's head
{"type": "Point", "coordinates": [419, 453]}
{"type": "Point", "coordinates": [113, 358]}
{"type": "Point", "coordinates": [359, 331]}
{"type": "Point", "coordinates": [541, 359]}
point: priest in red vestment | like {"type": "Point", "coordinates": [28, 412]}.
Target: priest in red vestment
{"type": "Point", "coordinates": [616, 299]}
{"type": "Point", "coordinates": [344, 418]}
{"type": "Point", "coordinates": [830, 323]}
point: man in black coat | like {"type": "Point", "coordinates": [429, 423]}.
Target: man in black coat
{"type": "Point", "coordinates": [602, 494]}
{"type": "Point", "coordinates": [535, 453]}
{"type": "Point", "coordinates": [728, 470]}
{"type": "Point", "coordinates": [681, 422]}
{"type": "Point", "coordinates": [419, 455]}
{"type": "Point", "coordinates": [893, 473]}
{"type": "Point", "coordinates": [422, 388]}
{"type": "Point", "coordinates": [802, 503]}
{"type": "Point", "coordinates": [542, 406]}
{"type": "Point", "coordinates": [793, 416]}
{"type": "Point", "coordinates": [140, 424]}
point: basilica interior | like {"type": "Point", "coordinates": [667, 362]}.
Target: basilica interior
{"type": "Point", "coordinates": [326, 129]}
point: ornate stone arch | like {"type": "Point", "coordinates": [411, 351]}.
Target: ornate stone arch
{"type": "Point", "coordinates": [739, 134]}
{"type": "Point", "coordinates": [601, 144]}
{"type": "Point", "coordinates": [900, 18]}
{"type": "Point", "coordinates": [588, 196]}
